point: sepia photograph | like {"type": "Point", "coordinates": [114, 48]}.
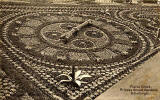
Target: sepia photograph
{"type": "Point", "coordinates": [79, 49]}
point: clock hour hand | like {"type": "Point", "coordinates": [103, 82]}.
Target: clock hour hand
{"type": "Point", "coordinates": [66, 37]}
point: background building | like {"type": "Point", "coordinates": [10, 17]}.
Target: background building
{"type": "Point", "coordinates": [104, 1]}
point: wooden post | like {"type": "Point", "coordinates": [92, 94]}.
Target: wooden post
{"type": "Point", "coordinates": [73, 73]}
{"type": "Point", "coordinates": [158, 34]}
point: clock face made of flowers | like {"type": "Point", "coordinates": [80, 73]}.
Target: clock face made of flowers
{"type": "Point", "coordinates": [97, 42]}
{"type": "Point", "coordinates": [73, 55]}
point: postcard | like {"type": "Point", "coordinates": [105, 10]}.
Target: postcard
{"type": "Point", "coordinates": [79, 49]}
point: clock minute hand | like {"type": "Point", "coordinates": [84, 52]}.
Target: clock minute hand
{"type": "Point", "coordinates": [65, 38]}
{"type": "Point", "coordinates": [84, 24]}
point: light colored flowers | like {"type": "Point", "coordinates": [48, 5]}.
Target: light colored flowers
{"type": "Point", "coordinates": [77, 78]}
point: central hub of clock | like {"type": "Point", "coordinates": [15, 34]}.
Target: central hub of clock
{"type": "Point", "coordinates": [87, 38]}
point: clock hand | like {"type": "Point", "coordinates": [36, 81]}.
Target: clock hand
{"type": "Point", "coordinates": [65, 38]}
